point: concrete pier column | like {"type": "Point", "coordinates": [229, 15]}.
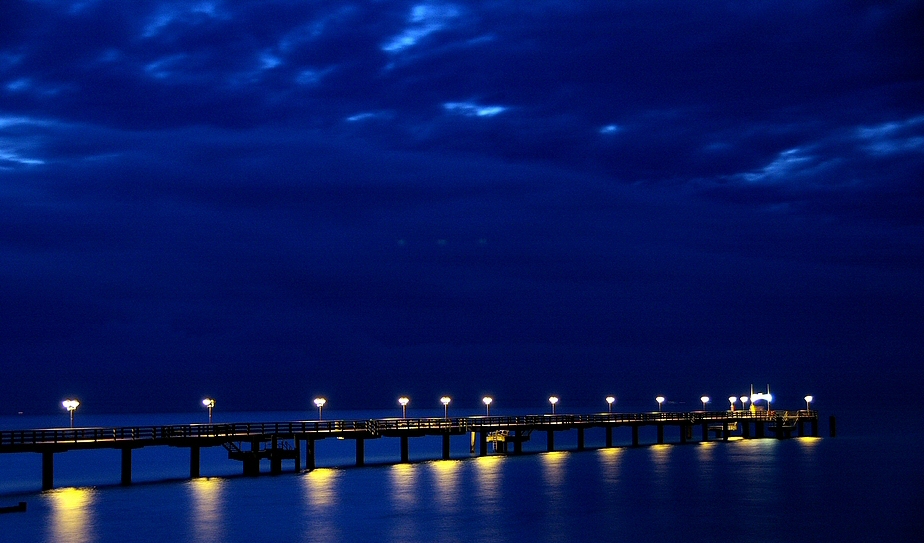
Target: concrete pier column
{"type": "Point", "coordinates": [405, 449]}
{"type": "Point", "coordinates": [780, 433]}
{"type": "Point", "coordinates": [580, 439]}
{"type": "Point", "coordinates": [635, 435]}
{"type": "Point", "coordinates": [252, 461]}
{"type": "Point", "coordinates": [482, 443]}
{"type": "Point", "coordinates": [48, 470]}
{"type": "Point", "coordinates": [275, 458]}
{"type": "Point", "coordinates": [705, 431]}
{"type": "Point", "coordinates": [609, 436]}
{"type": "Point", "coordinates": [298, 454]}
{"type": "Point", "coordinates": [745, 429]}
{"type": "Point", "coordinates": [684, 430]}
{"type": "Point", "coordinates": [660, 434]}
{"type": "Point", "coordinates": [194, 462]}
{"type": "Point", "coordinates": [759, 429]}
{"type": "Point", "coordinates": [360, 451]}
{"type": "Point", "coordinates": [518, 442]}
{"type": "Point", "coordinates": [446, 446]}
{"type": "Point", "coordinates": [309, 454]}
{"type": "Point", "coordinates": [550, 445]}
{"type": "Point", "coordinates": [725, 431]}
{"type": "Point", "coordinates": [126, 466]}
{"type": "Point", "coordinates": [801, 427]}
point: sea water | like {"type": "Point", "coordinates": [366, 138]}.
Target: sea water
{"type": "Point", "coordinates": [863, 485]}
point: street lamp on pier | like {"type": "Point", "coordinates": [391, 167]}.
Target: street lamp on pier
{"type": "Point", "coordinates": [487, 405]}
{"type": "Point", "coordinates": [553, 400]}
{"type": "Point", "coordinates": [705, 400]}
{"type": "Point", "coordinates": [210, 404]}
{"type": "Point", "coordinates": [744, 403]}
{"type": "Point", "coordinates": [808, 400]}
{"type": "Point", "coordinates": [445, 401]}
{"type": "Point", "coordinates": [320, 403]}
{"type": "Point", "coordinates": [660, 400]}
{"type": "Point", "coordinates": [404, 400]}
{"type": "Point", "coordinates": [609, 403]}
{"type": "Point", "coordinates": [71, 406]}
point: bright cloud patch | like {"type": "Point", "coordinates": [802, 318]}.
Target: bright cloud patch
{"type": "Point", "coordinates": [473, 110]}
{"type": "Point", "coordinates": [896, 137]}
{"type": "Point", "coordinates": [787, 163]}
{"type": "Point", "coordinates": [425, 19]}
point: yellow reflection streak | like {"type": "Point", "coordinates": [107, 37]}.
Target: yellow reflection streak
{"type": "Point", "coordinates": [610, 459]}
{"type": "Point", "coordinates": [403, 482]}
{"type": "Point", "coordinates": [553, 467]}
{"type": "Point", "coordinates": [322, 487]}
{"type": "Point", "coordinates": [321, 492]}
{"type": "Point", "coordinates": [207, 508]}
{"type": "Point", "coordinates": [488, 475]}
{"type": "Point", "coordinates": [446, 476]}
{"type": "Point", "coordinates": [72, 515]}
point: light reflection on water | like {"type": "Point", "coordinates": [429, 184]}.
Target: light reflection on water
{"type": "Point", "coordinates": [610, 461]}
{"type": "Point", "coordinates": [207, 509]}
{"type": "Point", "coordinates": [72, 518]}
{"type": "Point", "coordinates": [321, 492]}
{"type": "Point", "coordinates": [446, 476]}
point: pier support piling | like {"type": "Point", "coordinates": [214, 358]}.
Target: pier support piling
{"type": "Point", "coordinates": [518, 442]}
{"type": "Point", "coordinates": [360, 451]}
{"type": "Point", "coordinates": [483, 443]}
{"type": "Point", "coordinates": [745, 429]}
{"type": "Point", "coordinates": [48, 470]}
{"type": "Point", "coordinates": [551, 441]}
{"type": "Point", "coordinates": [309, 454]}
{"type": "Point", "coordinates": [832, 426]}
{"type": "Point", "coordinates": [705, 432]}
{"type": "Point", "coordinates": [126, 466]}
{"type": "Point", "coordinates": [194, 462]}
{"type": "Point", "coordinates": [405, 452]}
{"type": "Point", "coordinates": [298, 454]}
{"type": "Point", "coordinates": [580, 443]}
{"type": "Point", "coordinates": [609, 436]}
{"type": "Point", "coordinates": [660, 434]}
{"type": "Point", "coordinates": [635, 435]}
{"type": "Point", "coordinates": [446, 446]}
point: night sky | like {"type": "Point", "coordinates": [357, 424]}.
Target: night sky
{"type": "Point", "coordinates": [265, 201]}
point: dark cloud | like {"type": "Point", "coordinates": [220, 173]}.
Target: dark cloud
{"type": "Point", "coordinates": [424, 198]}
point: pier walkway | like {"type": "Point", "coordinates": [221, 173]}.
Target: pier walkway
{"type": "Point", "coordinates": [278, 441]}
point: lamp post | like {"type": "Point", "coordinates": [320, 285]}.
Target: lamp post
{"type": "Point", "coordinates": [404, 400]}
{"type": "Point", "coordinates": [209, 403]}
{"type": "Point", "coordinates": [609, 403]}
{"type": "Point", "coordinates": [744, 403]}
{"type": "Point", "coordinates": [705, 400]}
{"type": "Point", "coordinates": [487, 405]}
{"type": "Point", "coordinates": [320, 403]}
{"type": "Point", "coordinates": [445, 401]}
{"type": "Point", "coordinates": [71, 406]}
{"type": "Point", "coordinates": [732, 400]}
{"type": "Point", "coordinates": [553, 400]}
{"type": "Point", "coordinates": [808, 400]}
{"type": "Point", "coordinates": [660, 400]}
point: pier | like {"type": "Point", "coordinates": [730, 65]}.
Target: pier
{"type": "Point", "coordinates": [250, 443]}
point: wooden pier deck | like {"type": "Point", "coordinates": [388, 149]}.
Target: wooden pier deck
{"type": "Point", "coordinates": [278, 441]}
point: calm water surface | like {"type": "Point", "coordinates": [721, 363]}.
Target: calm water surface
{"type": "Point", "coordinates": [864, 485]}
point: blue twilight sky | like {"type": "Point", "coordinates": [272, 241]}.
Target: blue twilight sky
{"type": "Point", "coordinates": [268, 200]}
